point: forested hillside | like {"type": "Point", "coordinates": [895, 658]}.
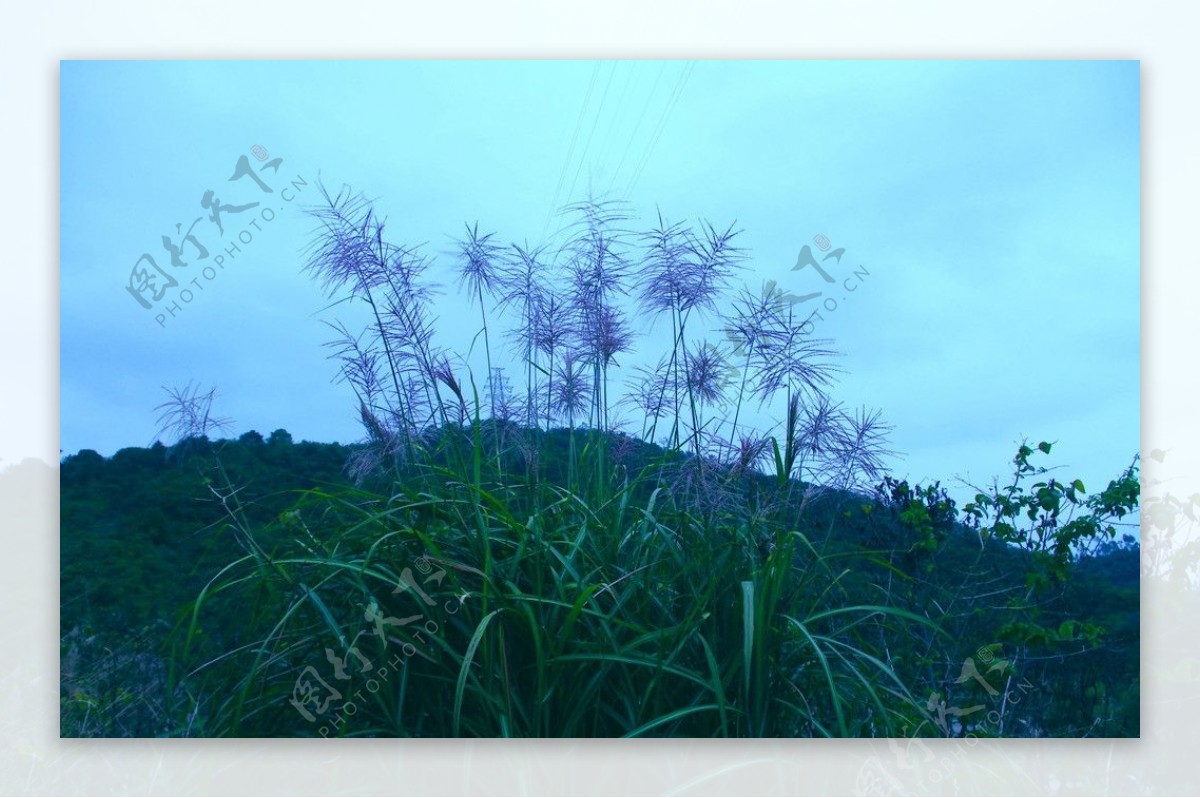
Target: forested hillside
{"type": "Point", "coordinates": [697, 603]}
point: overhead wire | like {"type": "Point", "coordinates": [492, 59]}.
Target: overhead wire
{"type": "Point", "coordinates": [603, 157]}
{"type": "Point", "coordinates": [587, 145]}
{"type": "Point", "coordinates": [562, 175]}
{"type": "Point", "coordinates": [637, 128]}
{"type": "Point", "coordinates": [680, 84]}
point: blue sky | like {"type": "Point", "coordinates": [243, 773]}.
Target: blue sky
{"type": "Point", "coordinates": [995, 205]}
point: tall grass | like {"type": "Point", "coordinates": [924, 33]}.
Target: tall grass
{"type": "Point", "coordinates": [512, 563]}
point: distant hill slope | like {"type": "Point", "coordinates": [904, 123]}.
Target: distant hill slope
{"type": "Point", "coordinates": [143, 531]}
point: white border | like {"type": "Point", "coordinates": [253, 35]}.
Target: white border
{"type": "Point", "coordinates": [35, 36]}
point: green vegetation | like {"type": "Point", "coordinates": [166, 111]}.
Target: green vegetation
{"type": "Point", "coordinates": [829, 612]}
{"type": "Point", "coordinates": [500, 562]}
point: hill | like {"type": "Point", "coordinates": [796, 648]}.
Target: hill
{"type": "Point", "coordinates": [201, 583]}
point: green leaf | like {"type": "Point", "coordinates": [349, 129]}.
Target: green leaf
{"type": "Point", "coordinates": [325, 614]}
{"type": "Point", "coordinates": [667, 718]}
{"type": "Point", "coordinates": [747, 630]}
{"type": "Point", "coordinates": [466, 667]}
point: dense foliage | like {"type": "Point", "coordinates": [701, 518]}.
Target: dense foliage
{"type": "Point", "coordinates": [855, 616]}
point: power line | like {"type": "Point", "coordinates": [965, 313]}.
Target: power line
{"type": "Point", "coordinates": [588, 144]}
{"type": "Point", "coordinates": [681, 82]}
{"type": "Point", "coordinates": [607, 142]}
{"type": "Point", "coordinates": [637, 127]}
{"type": "Point", "coordinates": [684, 76]}
{"type": "Point", "coordinates": [562, 175]}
